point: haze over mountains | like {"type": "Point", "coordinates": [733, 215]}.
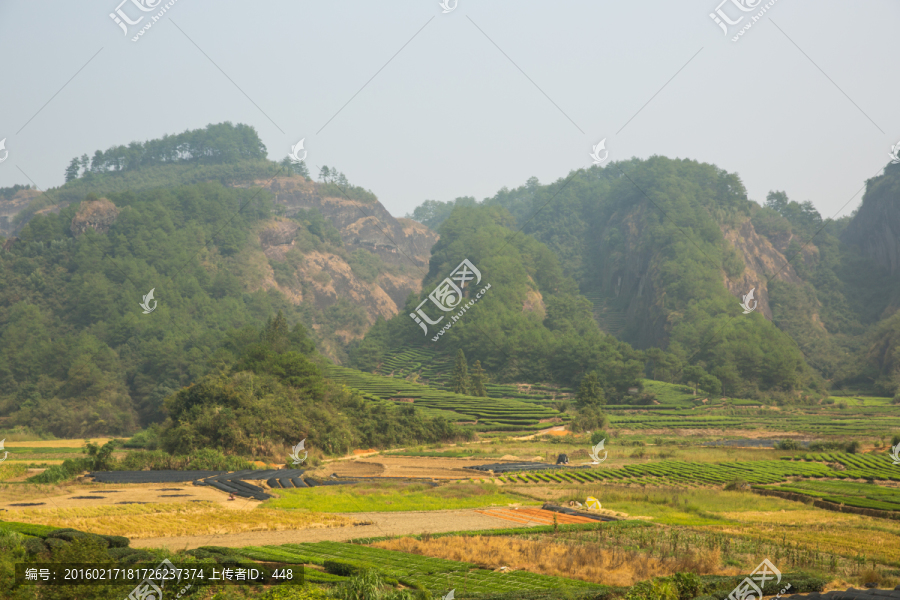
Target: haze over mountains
{"type": "Point", "coordinates": [636, 269]}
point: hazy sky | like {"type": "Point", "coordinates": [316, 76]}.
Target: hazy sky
{"type": "Point", "coordinates": [416, 104]}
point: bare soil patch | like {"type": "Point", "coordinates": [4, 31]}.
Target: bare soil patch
{"type": "Point", "coordinates": [402, 466]}
{"type": "Point", "coordinates": [80, 495]}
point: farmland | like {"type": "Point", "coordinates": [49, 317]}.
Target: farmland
{"type": "Point", "coordinates": [410, 569]}
{"type": "Point", "coordinates": [486, 414]}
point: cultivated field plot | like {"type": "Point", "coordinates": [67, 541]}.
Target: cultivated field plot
{"type": "Point", "coordinates": [438, 575]}
{"type": "Point", "coordinates": [154, 520]}
{"type": "Point", "coordinates": [684, 473]}
{"type": "Point", "coordinates": [818, 422]}
{"type": "Point", "coordinates": [860, 495]}
{"type": "Point", "coordinates": [857, 466]}
{"type": "Point", "coordinates": [433, 368]}
{"type": "Point", "coordinates": [490, 414]}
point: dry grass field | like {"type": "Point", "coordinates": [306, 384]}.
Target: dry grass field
{"type": "Point", "coordinates": [610, 566]}
{"type": "Point", "coordinates": [138, 521]}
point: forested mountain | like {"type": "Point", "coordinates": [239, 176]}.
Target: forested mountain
{"type": "Point", "coordinates": [665, 250]}
{"type": "Point", "coordinates": [611, 274]}
{"type": "Point", "coordinates": [78, 356]}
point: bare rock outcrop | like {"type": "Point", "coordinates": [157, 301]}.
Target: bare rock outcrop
{"type": "Point", "coordinates": [98, 215]}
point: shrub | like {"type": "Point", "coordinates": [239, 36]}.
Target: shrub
{"type": "Point", "coordinates": [34, 546]}
{"type": "Point", "coordinates": [57, 473]}
{"type": "Point", "coordinates": [787, 445]}
{"type": "Point", "coordinates": [344, 569]}
{"type": "Point", "coordinates": [147, 439]}
{"type": "Point", "coordinates": [364, 586]}
{"type": "Point", "coordinates": [870, 578]}
{"type": "Point", "coordinates": [100, 458]}
{"type": "Point", "coordinates": [597, 437]}
{"type": "Point", "coordinates": [652, 590]}
{"type": "Point", "coordinates": [738, 485]}
{"type": "Point", "coordinates": [117, 541]}
{"type": "Point", "coordinates": [589, 418]}
{"type": "Point", "coordinates": [688, 585]}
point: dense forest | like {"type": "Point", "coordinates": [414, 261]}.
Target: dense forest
{"type": "Point", "coordinates": [645, 241]}
{"type": "Point", "coordinates": [596, 280]}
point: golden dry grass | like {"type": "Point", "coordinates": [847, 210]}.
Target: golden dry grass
{"type": "Point", "coordinates": [9, 470]}
{"type": "Point", "coordinates": [577, 561]}
{"type": "Point", "coordinates": [56, 443]}
{"type": "Point", "coordinates": [846, 534]}
{"type": "Point", "coordinates": [139, 521]}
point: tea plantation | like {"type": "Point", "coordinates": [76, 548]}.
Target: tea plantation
{"type": "Point", "coordinates": [486, 414]}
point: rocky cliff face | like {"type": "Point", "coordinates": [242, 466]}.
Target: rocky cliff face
{"type": "Point", "coordinates": [13, 206]}
{"type": "Point", "coordinates": [324, 278]}
{"type": "Point", "coordinates": [628, 304]}
{"type": "Point", "coordinates": [875, 229]}
{"type": "Point", "coordinates": [762, 260]}
{"type": "Point", "coordinates": [98, 215]}
{"type": "Point", "coordinates": [397, 242]}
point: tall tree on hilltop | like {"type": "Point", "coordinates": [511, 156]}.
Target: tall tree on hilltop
{"type": "Point", "coordinates": [72, 170]}
{"type": "Point", "coordinates": [461, 374]}
{"type": "Point", "coordinates": [476, 381]}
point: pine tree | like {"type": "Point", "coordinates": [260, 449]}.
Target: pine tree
{"type": "Point", "coordinates": [476, 386]}
{"type": "Point", "coordinates": [72, 170]}
{"type": "Point", "coordinates": [461, 374]}
{"type": "Point", "coordinates": [276, 333]}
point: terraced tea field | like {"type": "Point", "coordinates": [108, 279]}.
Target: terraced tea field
{"type": "Point", "coordinates": [866, 421]}
{"type": "Point", "coordinates": [491, 414]}
{"type": "Point", "coordinates": [684, 473]}
{"type": "Point", "coordinates": [860, 495]}
{"type": "Point", "coordinates": [434, 368]}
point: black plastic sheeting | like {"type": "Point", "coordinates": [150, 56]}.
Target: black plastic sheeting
{"type": "Point", "coordinates": [151, 476]}
{"type": "Point", "coordinates": [318, 482]}
{"type": "Point", "coordinates": [231, 483]}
